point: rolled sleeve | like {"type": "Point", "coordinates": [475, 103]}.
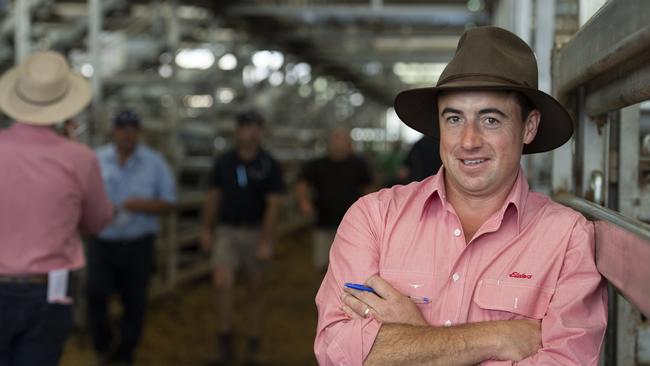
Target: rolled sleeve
{"type": "Point", "coordinates": [574, 325]}
{"type": "Point", "coordinates": [354, 258]}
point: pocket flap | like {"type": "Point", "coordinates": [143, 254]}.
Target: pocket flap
{"type": "Point", "coordinates": [530, 301]}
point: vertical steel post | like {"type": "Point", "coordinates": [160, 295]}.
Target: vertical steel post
{"type": "Point", "coordinates": [22, 18]}
{"type": "Point", "coordinates": [95, 19]}
{"type": "Point", "coordinates": [628, 317]}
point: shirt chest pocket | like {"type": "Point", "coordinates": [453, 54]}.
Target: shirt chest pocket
{"type": "Point", "coordinates": [417, 285]}
{"type": "Point", "coordinates": [513, 300]}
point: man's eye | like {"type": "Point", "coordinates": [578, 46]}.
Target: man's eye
{"type": "Point", "coordinates": [453, 119]}
{"type": "Point", "coordinates": [491, 121]}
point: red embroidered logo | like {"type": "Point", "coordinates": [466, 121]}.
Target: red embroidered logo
{"type": "Point", "coordinates": [520, 275]}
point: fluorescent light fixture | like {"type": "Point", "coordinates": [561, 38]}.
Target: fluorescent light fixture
{"type": "Point", "coordinates": [227, 62]}
{"type": "Point", "coordinates": [304, 91]}
{"type": "Point", "coordinates": [198, 101]}
{"type": "Point", "coordinates": [225, 95]}
{"type": "Point", "coordinates": [195, 58]}
{"type": "Point", "coordinates": [276, 78]}
{"type": "Point", "coordinates": [372, 68]}
{"type": "Point", "coordinates": [252, 75]}
{"type": "Point", "coordinates": [356, 99]}
{"type": "Point", "coordinates": [320, 84]}
{"type": "Point", "coordinates": [268, 59]}
{"type": "Point", "coordinates": [419, 72]}
{"type": "Point", "coordinates": [165, 71]}
{"type": "Point", "coordinates": [303, 72]}
{"type": "Point", "coordinates": [368, 134]}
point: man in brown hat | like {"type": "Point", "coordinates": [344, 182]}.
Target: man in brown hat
{"type": "Point", "coordinates": [468, 266]}
{"type": "Point", "coordinates": [51, 190]}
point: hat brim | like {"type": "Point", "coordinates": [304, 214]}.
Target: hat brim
{"type": "Point", "coordinates": [418, 108]}
{"type": "Point", "coordinates": [74, 101]}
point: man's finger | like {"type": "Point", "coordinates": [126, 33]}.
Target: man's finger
{"type": "Point", "coordinates": [350, 313]}
{"type": "Point", "coordinates": [355, 304]}
{"type": "Point", "coordinates": [382, 288]}
{"type": "Point", "coordinates": [369, 298]}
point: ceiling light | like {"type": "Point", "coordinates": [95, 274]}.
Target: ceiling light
{"type": "Point", "coordinates": [227, 62]}
{"type": "Point", "coordinates": [419, 72]}
{"type": "Point", "coordinates": [195, 58]}
{"type": "Point", "coordinates": [276, 78]}
{"type": "Point", "coordinates": [198, 101]}
{"type": "Point", "coordinates": [225, 95]}
{"type": "Point", "coordinates": [268, 60]}
{"type": "Point", "coordinates": [87, 70]}
{"type": "Point", "coordinates": [356, 99]}
{"type": "Point", "coordinates": [165, 71]}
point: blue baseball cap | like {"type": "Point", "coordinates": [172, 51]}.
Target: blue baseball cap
{"type": "Point", "coordinates": [126, 118]}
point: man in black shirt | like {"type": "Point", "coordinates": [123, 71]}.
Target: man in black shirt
{"type": "Point", "coordinates": [423, 160]}
{"type": "Point", "coordinates": [327, 187]}
{"type": "Point", "coordinates": [244, 197]}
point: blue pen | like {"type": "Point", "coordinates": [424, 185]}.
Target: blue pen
{"type": "Point", "coordinates": [360, 287]}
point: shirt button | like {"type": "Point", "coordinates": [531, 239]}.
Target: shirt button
{"type": "Point", "coordinates": [455, 277]}
{"type": "Point", "coordinates": [457, 232]}
{"type": "Point", "coordinates": [448, 323]}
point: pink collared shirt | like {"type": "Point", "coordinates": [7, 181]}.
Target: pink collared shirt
{"type": "Point", "coordinates": [50, 190]}
{"type": "Point", "coordinates": [533, 259]}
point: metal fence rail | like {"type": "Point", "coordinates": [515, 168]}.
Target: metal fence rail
{"type": "Point", "coordinates": [622, 250]}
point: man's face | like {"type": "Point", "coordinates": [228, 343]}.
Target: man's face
{"type": "Point", "coordinates": [248, 134]}
{"type": "Point", "coordinates": [481, 139]}
{"type": "Point", "coordinates": [126, 137]}
{"type": "Point", "coordinates": [339, 144]}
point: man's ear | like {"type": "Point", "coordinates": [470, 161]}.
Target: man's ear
{"type": "Point", "coordinates": [530, 126]}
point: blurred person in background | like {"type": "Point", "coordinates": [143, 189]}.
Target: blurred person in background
{"type": "Point", "coordinates": [50, 193]}
{"type": "Point", "coordinates": [121, 258]}
{"type": "Point", "coordinates": [389, 165]}
{"type": "Point", "coordinates": [422, 161]}
{"type": "Point", "coordinates": [327, 187]}
{"type": "Point", "coordinates": [239, 218]}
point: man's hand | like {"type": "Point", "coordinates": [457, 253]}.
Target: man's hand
{"type": "Point", "coordinates": [386, 305]}
{"type": "Point", "coordinates": [207, 240]}
{"type": "Point", "coordinates": [519, 339]}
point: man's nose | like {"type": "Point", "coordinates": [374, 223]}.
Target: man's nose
{"type": "Point", "coordinates": [471, 136]}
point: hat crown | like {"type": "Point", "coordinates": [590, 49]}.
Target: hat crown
{"type": "Point", "coordinates": [491, 54]}
{"type": "Point", "coordinates": [43, 78]}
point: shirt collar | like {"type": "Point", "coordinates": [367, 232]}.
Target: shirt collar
{"type": "Point", "coordinates": [433, 188]}
{"type": "Point", "coordinates": [136, 156]}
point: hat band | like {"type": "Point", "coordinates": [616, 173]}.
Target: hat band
{"type": "Point", "coordinates": [27, 99]}
{"type": "Point", "coordinates": [481, 77]}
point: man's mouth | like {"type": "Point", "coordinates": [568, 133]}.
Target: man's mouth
{"type": "Point", "coordinates": [473, 161]}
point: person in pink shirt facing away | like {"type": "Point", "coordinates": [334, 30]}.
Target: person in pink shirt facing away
{"type": "Point", "coordinates": [51, 191]}
{"type": "Point", "coordinates": [468, 266]}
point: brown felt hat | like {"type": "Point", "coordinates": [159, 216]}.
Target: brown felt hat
{"type": "Point", "coordinates": [489, 58]}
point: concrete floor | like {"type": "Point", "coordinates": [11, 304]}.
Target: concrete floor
{"type": "Point", "coordinates": [181, 328]}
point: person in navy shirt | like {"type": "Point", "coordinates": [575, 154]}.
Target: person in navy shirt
{"type": "Point", "coordinates": [243, 201]}
{"type": "Point", "coordinates": [142, 187]}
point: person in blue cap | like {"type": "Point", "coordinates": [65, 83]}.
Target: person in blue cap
{"type": "Point", "coordinates": [121, 258]}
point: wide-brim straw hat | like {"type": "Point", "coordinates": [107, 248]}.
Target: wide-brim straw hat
{"type": "Point", "coordinates": [42, 90]}
{"type": "Point", "coordinates": [489, 58]}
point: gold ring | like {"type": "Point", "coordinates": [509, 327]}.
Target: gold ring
{"type": "Point", "coordinates": [365, 312]}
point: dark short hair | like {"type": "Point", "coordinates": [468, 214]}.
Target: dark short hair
{"type": "Point", "coordinates": [525, 104]}
{"type": "Point", "coordinates": [249, 117]}
{"type": "Point", "coordinates": [125, 118]}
